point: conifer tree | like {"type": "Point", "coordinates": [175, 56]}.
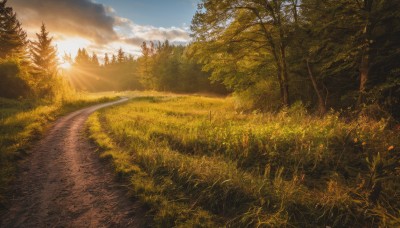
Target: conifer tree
{"type": "Point", "coordinates": [43, 53]}
{"type": "Point", "coordinates": [44, 60]}
{"type": "Point", "coordinates": [131, 59]}
{"type": "Point", "coordinates": [114, 60]}
{"type": "Point", "coordinates": [145, 65]}
{"type": "Point", "coordinates": [83, 58]}
{"type": "Point", "coordinates": [121, 56]}
{"type": "Point", "coordinates": [12, 37]}
{"type": "Point", "coordinates": [95, 60]}
{"type": "Point", "coordinates": [106, 60]}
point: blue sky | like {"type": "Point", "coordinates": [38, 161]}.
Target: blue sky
{"type": "Point", "coordinates": [158, 13]}
{"type": "Point", "coordinates": [104, 26]}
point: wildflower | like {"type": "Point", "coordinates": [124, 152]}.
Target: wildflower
{"type": "Point", "coordinates": [390, 148]}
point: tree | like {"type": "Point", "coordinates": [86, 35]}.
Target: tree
{"type": "Point", "coordinates": [44, 59]}
{"type": "Point", "coordinates": [106, 60]}
{"type": "Point", "coordinates": [13, 80]}
{"type": "Point", "coordinates": [351, 47]}
{"type": "Point", "coordinates": [95, 60]}
{"type": "Point", "coordinates": [12, 37]}
{"type": "Point", "coordinates": [82, 58]}
{"type": "Point", "coordinates": [130, 58]}
{"type": "Point", "coordinates": [114, 60]}
{"type": "Point", "coordinates": [44, 54]}
{"type": "Point", "coordinates": [259, 24]}
{"type": "Point", "coordinates": [121, 56]}
{"type": "Point", "coordinates": [145, 65]}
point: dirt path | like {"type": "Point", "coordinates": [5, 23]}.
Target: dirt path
{"type": "Point", "coordinates": [64, 184]}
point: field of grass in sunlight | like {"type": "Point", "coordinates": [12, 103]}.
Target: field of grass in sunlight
{"type": "Point", "coordinates": [196, 161]}
{"type": "Point", "coordinates": [23, 122]}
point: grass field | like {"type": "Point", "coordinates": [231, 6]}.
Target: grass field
{"type": "Point", "coordinates": [196, 161]}
{"type": "Point", "coordinates": [23, 122]}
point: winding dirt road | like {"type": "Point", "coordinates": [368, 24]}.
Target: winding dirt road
{"type": "Point", "coordinates": [64, 184]}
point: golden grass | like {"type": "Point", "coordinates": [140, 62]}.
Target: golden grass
{"type": "Point", "coordinates": [196, 161]}
{"type": "Point", "coordinates": [23, 122]}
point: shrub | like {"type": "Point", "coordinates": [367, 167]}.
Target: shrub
{"type": "Point", "coordinates": [12, 83]}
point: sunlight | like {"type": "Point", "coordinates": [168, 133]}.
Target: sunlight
{"type": "Point", "coordinates": [66, 65]}
{"type": "Point", "coordinates": [71, 45]}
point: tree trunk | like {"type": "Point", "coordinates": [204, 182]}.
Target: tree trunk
{"type": "Point", "coordinates": [364, 69]}
{"type": "Point", "coordinates": [321, 103]}
{"type": "Point", "coordinates": [280, 83]}
{"type": "Point", "coordinates": [364, 64]}
{"type": "Point", "coordinates": [285, 80]}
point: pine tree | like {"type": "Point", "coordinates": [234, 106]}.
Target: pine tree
{"type": "Point", "coordinates": [12, 37]}
{"type": "Point", "coordinates": [43, 53]}
{"type": "Point", "coordinates": [131, 59]}
{"type": "Point", "coordinates": [114, 60]}
{"type": "Point", "coordinates": [106, 60]}
{"type": "Point", "coordinates": [44, 60]}
{"type": "Point", "coordinates": [82, 58]}
{"type": "Point", "coordinates": [121, 56]}
{"type": "Point", "coordinates": [95, 60]}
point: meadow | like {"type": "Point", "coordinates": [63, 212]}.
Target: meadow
{"type": "Point", "coordinates": [199, 161]}
{"type": "Point", "coordinates": [22, 122]}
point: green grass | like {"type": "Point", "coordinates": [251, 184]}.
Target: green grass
{"type": "Point", "coordinates": [196, 161]}
{"type": "Point", "coordinates": [23, 122]}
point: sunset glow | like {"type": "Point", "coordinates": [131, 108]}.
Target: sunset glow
{"type": "Point", "coordinates": [104, 26]}
{"type": "Point", "coordinates": [66, 65]}
{"type": "Point", "coordinates": [70, 45]}
{"type": "Point", "coordinates": [199, 113]}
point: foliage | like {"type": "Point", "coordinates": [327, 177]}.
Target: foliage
{"type": "Point", "coordinates": [87, 74]}
{"type": "Point", "coordinates": [13, 80]}
{"type": "Point", "coordinates": [194, 159]}
{"type": "Point", "coordinates": [44, 54]}
{"type": "Point", "coordinates": [330, 54]}
{"type": "Point", "coordinates": [250, 28]}
{"type": "Point", "coordinates": [165, 67]}
{"type": "Point", "coordinates": [12, 37]}
{"type": "Point", "coordinates": [44, 60]}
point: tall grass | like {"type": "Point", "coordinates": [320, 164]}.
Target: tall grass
{"type": "Point", "coordinates": [22, 122]}
{"type": "Point", "coordinates": [196, 161]}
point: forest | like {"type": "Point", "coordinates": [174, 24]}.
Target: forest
{"type": "Point", "coordinates": [324, 54]}
{"type": "Point", "coordinates": [271, 103]}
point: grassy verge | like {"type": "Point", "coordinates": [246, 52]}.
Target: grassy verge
{"type": "Point", "coordinates": [195, 161]}
{"type": "Point", "coordinates": [22, 122]}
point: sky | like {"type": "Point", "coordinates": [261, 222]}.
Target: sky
{"type": "Point", "coordinates": [104, 26]}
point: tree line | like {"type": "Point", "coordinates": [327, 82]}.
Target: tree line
{"type": "Point", "coordinates": [28, 68]}
{"type": "Point", "coordinates": [162, 67]}
{"type": "Point", "coordinates": [332, 54]}
{"type": "Point", "coordinates": [326, 54]}
{"type": "Point", "coordinates": [116, 73]}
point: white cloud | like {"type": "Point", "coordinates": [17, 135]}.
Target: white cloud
{"type": "Point", "coordinates": [97, 27]}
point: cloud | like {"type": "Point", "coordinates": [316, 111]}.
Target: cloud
{"type": "Point", "coordinates": [72, 17]}
{"type": "Point", "coordinates": [136, 41]}
{"type": "Point", "coordinates": [91, 21]}
{"type": "Point", "coordinates": [172, 34]}
{"type": "Point", "coordinates": [135, 34]}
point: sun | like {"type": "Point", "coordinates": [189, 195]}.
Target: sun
{"type": "Point", "coordinates": [70, 45]}
{"type": "Point", "coordinates": [66, 65]}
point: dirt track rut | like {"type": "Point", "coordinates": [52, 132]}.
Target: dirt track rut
{"type": "Point", "coordinates": [64, 184]}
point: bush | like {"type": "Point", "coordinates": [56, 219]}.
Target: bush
{"type": "Point", "coordinates": [12, 84]}
{"type": "Point", "coordinates": [264, 96]}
